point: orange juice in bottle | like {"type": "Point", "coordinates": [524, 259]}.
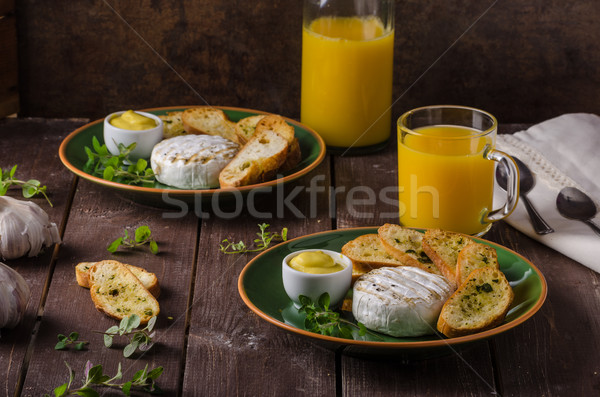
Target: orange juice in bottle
{"type": "Point", "coordinates": [347, 80]}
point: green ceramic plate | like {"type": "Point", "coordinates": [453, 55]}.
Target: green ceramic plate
{"type": "Point", "coordinates": [73, 156]}
{"type": "Point", "coordinates": [261, 288]}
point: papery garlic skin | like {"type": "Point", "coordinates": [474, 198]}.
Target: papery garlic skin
{"type": "Point", "coordinates": [14, 295]}
{"type": "Point", "coordinates": [24, 228]}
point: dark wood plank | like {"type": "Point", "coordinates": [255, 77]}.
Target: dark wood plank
{"type": "Point", "coordinates": [557, 349]}
{"type": "Point", "coordinates": [7, 7]}
{"type": "Point", "coordinates": [230, 347]}
{"type": "Point", "coordinates": [464, 372]}
{"type": "Point", "coordinates": [32, 144]}
{"type": "Point", "coordinates": [97, 217]}
{"type": "Point", "coordinates": [9, 65]}
{"type": "Point", "coordinates": [367, 188]}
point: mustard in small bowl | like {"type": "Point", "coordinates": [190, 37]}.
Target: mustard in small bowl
{"type": "Point", "coordinates": [127, 127]}
{"type": "Point", "coordinates": [314, 272]}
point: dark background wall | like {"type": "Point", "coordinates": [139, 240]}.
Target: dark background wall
{"type": "Point", "coordinates": [524, 61]}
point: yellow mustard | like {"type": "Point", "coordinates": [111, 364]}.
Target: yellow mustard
{"type": "Point", "coordinates": [315, 262]}
{"type": "Point", "coordinates": [131, 120]}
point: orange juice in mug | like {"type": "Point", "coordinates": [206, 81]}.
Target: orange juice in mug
{"type": "Point", "coordinates": [446, 160]}
{"type": "Point", "coordinates": [347, 67]}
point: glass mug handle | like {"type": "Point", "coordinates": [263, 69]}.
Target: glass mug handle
{"type": "Point", "coordinates": [512, 185]}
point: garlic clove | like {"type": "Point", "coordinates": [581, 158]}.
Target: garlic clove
{"type": "Point", "coordinates": [25, 228]}
{"type": "Point", "coordinates": [14, 296]}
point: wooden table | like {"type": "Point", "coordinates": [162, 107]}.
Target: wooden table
{"type": "Point", "coordinates": [211, 344]}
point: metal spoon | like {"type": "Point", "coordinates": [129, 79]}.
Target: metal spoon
{"type": "Point", "coordinates": [572, 203]}
{"type": "Point", "coordinates": [526, 183]}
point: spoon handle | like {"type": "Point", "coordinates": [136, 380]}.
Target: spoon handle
{"type": "Point", "coordinates": [539, 225]}
{"type": "Point", "coordinates": [593, 226]}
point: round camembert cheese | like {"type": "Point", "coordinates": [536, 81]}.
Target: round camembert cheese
{"type": "Point", "coordinates": [400, 301]}
{"type": "Point", "coordinates": [192, 161]}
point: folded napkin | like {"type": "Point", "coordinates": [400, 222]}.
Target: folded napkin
{"type": "Point", "coordinates": [564, 151]}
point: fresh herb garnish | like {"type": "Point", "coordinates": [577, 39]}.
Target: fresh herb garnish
{"type": "Point", "coordinates": [142, 236]}
{"type": "Point", "coordinates": [72, 339]}
{"type": "Point", "coordinates": [322, 320]}
{"type": "Point", "coordinates": [117, 168]}
{"type": "Point", "coordinates": [30, 188]}
{"type": "Point", "coordinates": [263, 242]}
{"type": "Point", "coordinates": [141, 338]}
{"type": "Point", "coordinates": [142, 380]}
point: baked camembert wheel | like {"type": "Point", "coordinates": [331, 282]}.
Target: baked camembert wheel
{"type": "Point", "coordinates": [400, 301]}
{"type": "Point", "coordinates": [192, 161]}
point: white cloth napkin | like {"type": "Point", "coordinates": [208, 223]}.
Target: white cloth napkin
{"type": "Point", "coordinates": [564, 151]}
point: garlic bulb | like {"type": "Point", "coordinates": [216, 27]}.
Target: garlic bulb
{"type": "Point", "coordinates": [14, 295]}
{"type": "Point", "coordinates": [24, 228]}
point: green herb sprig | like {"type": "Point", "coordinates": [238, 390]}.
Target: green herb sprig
{"type": "Point", "coordinates": [117, 168]}
{"type": "Point", "coordinates": [71, 339]}
{"type": "Point", "coordinates": [322, 320]}
{"type": "Point", "coordinates": [141, 338]}
{"type": "Point", "coordinates": [263, 241]}
{"type": "Point", "coordinates": [142, 236]}
{"type": "Point", "coordinates": [30, 188]}
{"type": "Point", "coordinates": [142, 380]}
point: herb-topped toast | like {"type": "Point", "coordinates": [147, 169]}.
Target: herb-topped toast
{"type": "Point", "coordinates": [480, 303]}
{"type": "Point", "coordinates": [245, 127]}
{"type": "Point", "coordinates": [172, 124]}
{"type": "Point", "coordinates": [118, 293]}
{"type": "Point", "coordinates": [262, 156]}
{"type": "Point", "coordinates": [149, 280]}
{"type": "Point", "coordinates": [209, 120]}
{"type": "Point", "coordinates": [443, 248]}
{"type": "Point", "coordinates": [474, 256]}
{"type": "Point", "coordinates": [406, 245]}
{"type": "Point", "coordinates": [367, 253]}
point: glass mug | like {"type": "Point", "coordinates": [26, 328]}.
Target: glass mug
{"type": "Point", "coordinates": [347, 67]}
{"type": "Point", "coordinates": [446, 161]}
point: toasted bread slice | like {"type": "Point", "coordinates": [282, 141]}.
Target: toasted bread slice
{"type": "Point", "coordinates": [367, 253]}
{"type": "Point", "coordinates": [406, 245]}
{"type": "Point", "coordinates": [261, 157]}
{"type": "Point", "coordinates": [149, 280]}
{"type": "Point", "coordinates": [209, 120]}
{"type": "Point", "coordinates": [474, 256]}
{"type": "Point", "coordinates": [118, 293]}
{"type": "Point", "coordinates": [358, 269]}
{"type": "Point", "coordinates": [245, 127]}
{"type": "Point", "coordinates": [479, 304]}
{"type": "Point", "coordinates": [277, 124]}
{"type": "Point", "coordinates": [82, 273]}
{"type": "Point", "coordinates": [293, 158]}
{"type": "Point", "coordinates": [443, 248]}
{"type": "Point", "coordinates": [172, 124]}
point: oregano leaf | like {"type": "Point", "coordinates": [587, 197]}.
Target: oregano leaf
{"type": "Point", "coordinates": [114, 246]}
{"type": "Point", "coordinates": [130, 348]}
{"type": "Point", "coordinates": [60, 390]}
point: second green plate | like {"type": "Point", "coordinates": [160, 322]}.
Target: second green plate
{"type": "Point", "coordinates": [260, 286]}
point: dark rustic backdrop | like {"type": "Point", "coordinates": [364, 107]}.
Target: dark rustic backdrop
{"type": "Point", "coordinates": [524, 61]}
